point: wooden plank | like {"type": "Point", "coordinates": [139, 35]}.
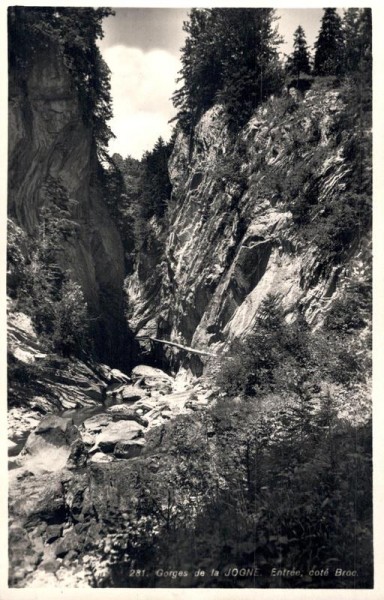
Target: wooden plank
{"type": "Point", "coordinates": [180, 346]}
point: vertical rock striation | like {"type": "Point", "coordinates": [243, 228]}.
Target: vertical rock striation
{"type": "Point", "coordinates": [231, 238]}
{"type": "Point", "coordinates": [50, 145]}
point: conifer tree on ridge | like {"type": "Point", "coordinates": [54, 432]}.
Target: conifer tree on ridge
{"type": "Point", "coordinates": [299, 60]}
{"type": "Point", "coordinates": [329, 46]}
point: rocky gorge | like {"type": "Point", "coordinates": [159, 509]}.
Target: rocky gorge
{"type": "Point", "coordinates": [58, 498]}
{"type": "Point", "coordinates": [231, 239]}
{"type": "Point", "coordinates": [224, 372]}
{"type": "Point", "coordinates": [52, 155]}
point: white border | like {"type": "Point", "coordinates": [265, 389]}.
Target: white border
{"type": "Point", "coordinates": [378, 328]}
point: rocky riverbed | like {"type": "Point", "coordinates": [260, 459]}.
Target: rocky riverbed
{"type": "Point", "coordinates": [55, 500]}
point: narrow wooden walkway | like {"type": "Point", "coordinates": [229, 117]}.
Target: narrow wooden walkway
{"type": "Point", "coordinates": [180, 346]}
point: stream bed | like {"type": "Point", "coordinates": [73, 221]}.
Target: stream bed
{"type": "Point", "coordinates": [78, 415]}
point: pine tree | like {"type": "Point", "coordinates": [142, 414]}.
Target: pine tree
{"type": "Point", "coordinates": [157, 169]}
{"type": "Point", "coordinates": [365, 44]}
{"type": "Point", "coordinates": [230, 55]}
{"type": "Point", "coordinates": [329, 46]}
{"type": "Point", "coordinates": [250, 68]}
{"type": "Point", "coordinates": [299, 60]}
{"type": "Point", "coordinates": [73, 32]}
{"type": "Point", "coordinates": [350, 29]}
{"type": "Point", "coordinates": [357, 28]}
{"type": "Point", "coordinates": [156, 187]}
{"type": "Point", "coordinates": [200, 72]}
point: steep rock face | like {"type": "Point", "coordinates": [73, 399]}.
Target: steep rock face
{"type": "Point", "coordinates": [231, 239]}
{"type": "Point", "coordinates": [50, 145]}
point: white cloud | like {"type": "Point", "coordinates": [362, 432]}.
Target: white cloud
{"type": "Point", "coordinates": [142, 84]}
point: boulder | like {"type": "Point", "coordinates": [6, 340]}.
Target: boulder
{"type": "Point", "coordinates": [121, 412]}
{"type": "Point", "coordinates": [121, 431]}
{"type": "Point", "coordinates": [78, 455]}
{"type": "Point", "coordinates": [69, 543]}
{"type": "Point", "coordinates": [96, 423]}
{"type": "Point", "coordinates": [53, 532]}
{"type": "Point", "coordinates": [37, 500]}
{"type": "Point", "coordinates": [91, 427]}
{"type": "Point", "coordinates": [57, 430]}
{"type": "Point", "coordinates": [23, 556]}
{"type": "Point", "coordinates": [48, 446]}
{"type": "Point", "coordinates": [132, 393]}
{"type": "Point", "coordinates": [155, 412]}
{"type": "Point", "coordinates": [100, 457]}
{"type": "Point", "coordinates": [87, 438]}
{"type": "Point", "coordinates": [115, 389]}
{"type": "Point", "coordinates": [131, 417]}
{"type": "Point", "coordinates": [152, 378]}
{"type": "Point", "coordinates": [129, 449]}
{"type": "Point", "coordinates": [118, 376]}
{"type": "Point", "coordinates": [196, 405]}
{"type": "Point", "coordinates": [166, 414]}
{"type": "Point", "coordinates": [145, 405]}
{"type": "Point", "coordinates": [70, 557]}
{"type": "Point", "coordinates": [124, 409]}
{"type": "Point", "coordinates": [149, 372]}
{"type": "Point", "coordinates": [120, 392]}
{"type": "Point", "coordinates": [50, 565]}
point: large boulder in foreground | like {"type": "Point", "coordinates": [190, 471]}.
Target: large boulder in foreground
{"type": "Point", "coordinates": [57, 430]}
{"type": "Point", "coordinates": [52, 431]}
{"type": "Point", "coordinates": [48, 447]}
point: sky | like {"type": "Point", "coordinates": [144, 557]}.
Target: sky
{"type": "Point", "coordinates": [142, 49]}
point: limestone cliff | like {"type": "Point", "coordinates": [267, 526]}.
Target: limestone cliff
{"type": "Point", "coordinates": [232, 237]}
{"type": "Point", "coordinates": [50, 145]}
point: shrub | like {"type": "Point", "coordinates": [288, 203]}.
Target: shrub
{"type": "Point", "coordinates": [71, 321]}
{"type": "Point", "coordinates": [352, 311]}
{"type": "Point", "coordinates": [40, 286]}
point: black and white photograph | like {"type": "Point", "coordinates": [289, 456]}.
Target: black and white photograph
{"type": "Point", "coordinates": [189, 298]}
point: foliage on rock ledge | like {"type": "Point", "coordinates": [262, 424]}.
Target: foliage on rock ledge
{"type": "Point", "coordinates": [38, 283]}
{"type": "Point", "coordinates": [229, 55]}
{"type": "Point", "coordinates": [266, 477]}
{"type": "Point", "coordinates": [321, 164]}
{"type": "Point", "coordinates": [73, 33]}
{"type": "Point", "coordinates": [137, 192]}
{"type": "Point", "coordinates": [237, 487]}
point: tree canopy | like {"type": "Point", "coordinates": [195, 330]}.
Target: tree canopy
{"type": "Point", "coordinates": [357, 29]}
{"type": "Point", "coordinates": [73, 32]}
{"type": "Point", "coordinates": [329, 44]}
{"type": "Point", "coordinates": [344, 45]}
{"type": "Point", "coordinates": [230, 55]}
{"type": "Point", "coordinates": [135, 191]}
{"type": "Point", "coordinates": [299, 61]}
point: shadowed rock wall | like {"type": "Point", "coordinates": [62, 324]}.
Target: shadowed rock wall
{"type": "Point", "coordinates": [49, 144]}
